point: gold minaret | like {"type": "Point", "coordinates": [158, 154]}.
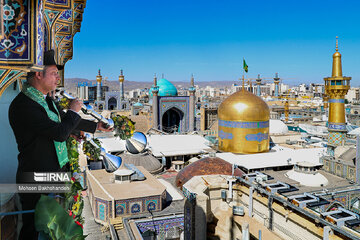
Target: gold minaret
{"type": "Point", "coordinates": [286, 109]}
{"type": "Point", "coordinates": [99, 77]}
{"type": "Point", "coordinates": [98, 89]}
{"type": "Point", "coordinates": [121, 81]}
{"type": "Point", "coordinates": [336, 87]}
{"type": "Point", "coordinates": [121, 77]}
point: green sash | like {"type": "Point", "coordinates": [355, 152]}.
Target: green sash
{"type": "Point", "coordinates": [37, 96]}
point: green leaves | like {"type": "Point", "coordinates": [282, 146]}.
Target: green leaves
{"type": "Point", "coordinates": [91, 151]}
{"type": "Point", "coordinates": [54, 221]}
{"type": "Point", "coordinates": [124, 127]}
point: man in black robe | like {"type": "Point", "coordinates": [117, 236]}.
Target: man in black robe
{"type": "Point", "coordinates": [36, 133]}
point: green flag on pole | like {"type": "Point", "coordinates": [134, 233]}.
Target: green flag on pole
{"type": "Point", "coordinates": [246, 68]}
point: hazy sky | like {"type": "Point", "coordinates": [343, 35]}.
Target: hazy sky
{"type": "Point", "coordinates": [209, 38]}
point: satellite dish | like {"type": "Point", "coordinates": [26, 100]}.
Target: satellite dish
{"type": "Point", "coordinates": [137, 143]}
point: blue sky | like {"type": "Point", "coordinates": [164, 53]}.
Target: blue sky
{"type": "Point", "coordinates": [210, 38]}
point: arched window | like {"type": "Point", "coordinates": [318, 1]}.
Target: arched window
{"type": "Point", "coordinates": [119, 210]}
{"type": "Point", "coordinates": [135, 208]}
{"type": "Point", "coordinates": [102, 211]}
{"type": "Point", "coordinates": [151, 206]}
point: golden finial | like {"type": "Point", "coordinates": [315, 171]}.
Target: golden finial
{"type": "Point", "coordinates": [337, 43]}
{"type": "Point", "coordinates": [121, 77]}
{"type": "Point", "coordinates": [99, 77]}
{"type": "Point", "coordinates": [337, 69]}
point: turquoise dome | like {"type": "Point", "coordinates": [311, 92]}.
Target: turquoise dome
{"type": "Point", "coordinates": [166, 88]}
{"type": "Point", "coordinates": [138, 104]}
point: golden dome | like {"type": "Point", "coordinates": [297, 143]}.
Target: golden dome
{"type": "Point", "coordinates": [244, 106]}
{"type": "Point", "coordinates": [243, 124]}
{"type": "Point", "coordinates": [337, 54]}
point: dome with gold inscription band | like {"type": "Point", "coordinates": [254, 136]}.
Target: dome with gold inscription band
{"type": "Point", "coordinates": [243, 124]}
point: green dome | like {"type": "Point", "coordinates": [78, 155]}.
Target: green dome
{"type": "Point", "coordinates": [166, 88]}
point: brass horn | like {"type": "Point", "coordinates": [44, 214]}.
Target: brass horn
{"type": "Point", "coordinates": [111, 162]}
{"type": "Point", "coordinates": [89, 110]}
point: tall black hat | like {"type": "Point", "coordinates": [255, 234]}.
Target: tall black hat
{"type": "Point", "coordinates": [49, 59]}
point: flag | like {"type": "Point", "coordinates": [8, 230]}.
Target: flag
{"type": "Point", "coordinates": [246, 68]}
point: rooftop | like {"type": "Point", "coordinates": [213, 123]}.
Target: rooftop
{"type": "Point", "coordinates": [278, 157]}
{"type": "Point", "coordinates": [176, 145]}
{"type": "Point", "coordinates": [135, 189]}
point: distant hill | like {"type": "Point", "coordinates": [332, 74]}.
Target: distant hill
{"type": "Point", "coordinates": [71, 84]}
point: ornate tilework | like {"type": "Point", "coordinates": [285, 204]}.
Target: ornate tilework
{"type": "Point", "coordinates": [257, 137]}
{"type": "Point", "coordinates": [9, 75]}
{"type": "Point", "coordinates": [58, 3]}
{"type": "Point", "coordinates": [151, 206]}
{"type": "Point", "coordinates": [40, 34]}
{"type": "Point", "coordinates": [105, 203]}
{"type": "Point", "coordinates": [58, 39]}
{"type": "Point", "coordinates": [50, 16]}
{"type": "Point", "coordinates": [181, 104]}
{"type": "Point", "coordinates": [236, 124]}
{"type": "Point", "coordinates": [101, 211]}
{"type": "Point", "coordinates": [189, 195]}
{"type": "Point", "coordinates": [66, 15]}
{"type": "Point", "coordinates": [135, 208]}
{"type": "Point", "coordinates": [336, 138]}
{"type": "Point", "coordinates": [337, 126]}
{"type": "Point", "coordinates": [225, 135]}
{"type": "Point", "coordinates": [79, 7]}
{"type": "Point", "coordinates": [120, 208]}
{"type": "Point", "coordinates": [161, 225]}
{"type": "Point", "coordinates": [332, 100]}
{"type": "Point", "coordinates": [64, 30]}
{"type": "Point", "coordinates": [15, 44]}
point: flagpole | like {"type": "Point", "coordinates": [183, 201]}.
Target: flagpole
{"type": "Point", "coordinates": [243, 78]}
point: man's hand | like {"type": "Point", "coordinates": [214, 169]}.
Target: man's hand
{"type": "Point", "coordinates": [75, 105]}
{"type": "Point", "coordinates": [101, 126]}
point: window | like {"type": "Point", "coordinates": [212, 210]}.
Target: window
{"type": "Point", "coordinates": [119, 210]}
{"type": "Point", "coordinates": [102, 211]}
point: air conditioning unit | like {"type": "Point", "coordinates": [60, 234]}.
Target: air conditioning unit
{"type": "Point", "coordinates": [261, 178]}
{"type": "Point", "coordinates": [238, 211]}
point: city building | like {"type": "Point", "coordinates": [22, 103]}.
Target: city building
{"type": "Point", "coordinates": [172, 113]}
